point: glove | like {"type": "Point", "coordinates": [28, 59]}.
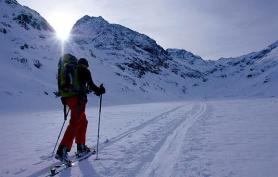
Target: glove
{"type": "Point", "coordinates": [100, 90]}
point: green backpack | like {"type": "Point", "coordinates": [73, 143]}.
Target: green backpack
{"type": "Point", "coordinates": [68, 84]}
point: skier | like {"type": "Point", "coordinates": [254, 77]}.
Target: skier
{"type": "Point", "coordinates": [74, 89]}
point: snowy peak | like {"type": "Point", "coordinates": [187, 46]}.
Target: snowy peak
{"type": "Point", "coordinates": [184, 55]}
{"type": "Point", "coordinates": [111, 36]}
{"type": "Point", "coordinates": [94, 20]}
{"type": "Point", "coordinates": [89, 26]}
{"type": "Point", "coordinates": [13, 12]}
{"type": "Point", "coordinates": [97, 34]}
{"type": "Point", "coordinates": [181, 53]}
{"type": "Point", "coordinates": [189, 59]}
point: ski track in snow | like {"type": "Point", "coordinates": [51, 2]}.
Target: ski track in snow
{"type": "Point", "coordinates": [141, 126]}
{"type": "Point", "coordinates": [151, 140]}
{"type": "Point", "coordinates": [114, 139]}
{"type": "Point", "coordinates": [171, 148]}
{"type": "Point", "coordinates": [133, 130]}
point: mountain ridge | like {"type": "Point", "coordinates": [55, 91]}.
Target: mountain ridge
{"type": "Point", "coordinates": [133, 67]}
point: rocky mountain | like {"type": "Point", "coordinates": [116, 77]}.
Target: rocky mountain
{"type": "Point", "coordinates": [175, 73]}
{"type": "Point", "coordinates": [132, 66]}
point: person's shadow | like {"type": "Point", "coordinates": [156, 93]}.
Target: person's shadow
{"type": "Point", "coordinates": [66, 173]}
{"type": "Point", "coordinates": [87, 169]}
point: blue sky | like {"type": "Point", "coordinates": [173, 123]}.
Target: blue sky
{"type": "Point", "coordinates": [209, 28]}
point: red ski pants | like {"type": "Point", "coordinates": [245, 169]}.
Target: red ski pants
{"type": "Point", "coordinates": [78, 122]}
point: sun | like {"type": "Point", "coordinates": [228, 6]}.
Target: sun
{"type": "Point", "coordinates": [62, 35]}
{"type": "Point", "coordinates": [62, 22]}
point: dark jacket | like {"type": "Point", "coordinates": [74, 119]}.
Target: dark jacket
{"type": "Point", "coordinates": [85, 81]}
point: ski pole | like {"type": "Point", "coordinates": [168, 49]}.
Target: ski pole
{"type": "Point", "coordinates": [66, 112]}
{"type": "Point", "coordinates": [100, 102]}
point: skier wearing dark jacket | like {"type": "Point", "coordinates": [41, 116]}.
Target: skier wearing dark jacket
{"type": "Point", "coordinates": [77, 104]}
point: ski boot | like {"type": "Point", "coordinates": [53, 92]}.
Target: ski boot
{"type": "Point", "coordinates": [82, 149]}
{"type": "Point", "coordinates": [62, 155]}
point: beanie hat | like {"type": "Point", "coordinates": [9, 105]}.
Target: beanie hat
{"type": "Point", "coordinates": [83, 61]}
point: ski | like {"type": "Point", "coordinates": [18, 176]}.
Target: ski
{"type": "Point", "coordinates": [58, 168]}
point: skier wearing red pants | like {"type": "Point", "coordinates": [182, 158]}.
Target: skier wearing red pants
{"type": "Point", "coordinates": [75, 82]}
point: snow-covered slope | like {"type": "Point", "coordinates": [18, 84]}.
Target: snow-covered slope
{"type": "Point", "coordinates": [132, 66]}
{"type": "Point", "coordinates": [28, 57]}
{"type": "Point", "coordinates": [254, 74]}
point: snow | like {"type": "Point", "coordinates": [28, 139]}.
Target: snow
{"type": "Point", "coordinates": [190, 138]}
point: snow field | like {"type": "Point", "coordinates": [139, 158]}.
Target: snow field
{"type": "Point", "coordinates": [178, 139]}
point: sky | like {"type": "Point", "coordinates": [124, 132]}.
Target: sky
{"type": "Point", "coordinates": [209, 28]}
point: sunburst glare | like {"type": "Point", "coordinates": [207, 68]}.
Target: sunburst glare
{"type": "Point", "coordinates": [62, 22]}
